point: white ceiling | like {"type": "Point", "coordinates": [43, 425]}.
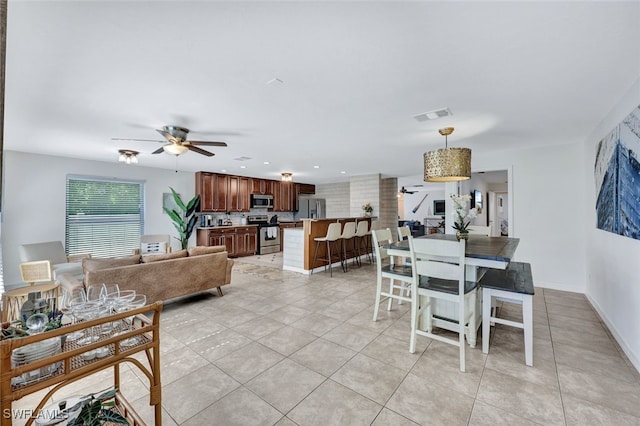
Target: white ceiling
{"type": "Point", "coordinates": [514, 74]}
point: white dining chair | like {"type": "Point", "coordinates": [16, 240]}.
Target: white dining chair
{"type": "Point", "coordinates": [399, 276]}
{"type": "Point", "coordinates": [440, 267]}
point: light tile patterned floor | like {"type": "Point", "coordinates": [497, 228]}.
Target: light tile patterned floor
{"type": "Point", "coordinates": [283, 348]}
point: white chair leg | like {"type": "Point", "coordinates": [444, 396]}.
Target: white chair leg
{"type": "Point", "coordinates": [391, 281]}
{"type": "Point", "coordinates": [414, 323]}
{"type": "Point", "coordinates": [427, 312]}
{"type": "Point", "coordinates": [473, 321]}
{"type": "Point", "coordinates": [527, 322]}
{"type": "Point", "coordinates": [486, 319]}
{"type": "Point", "coordinates": [377, 304]}
{"type": "Point", "coordinates": [461, 333]}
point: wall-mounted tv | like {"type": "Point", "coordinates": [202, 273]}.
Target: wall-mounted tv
{"type": "Point", "coordinates": [438, 207]}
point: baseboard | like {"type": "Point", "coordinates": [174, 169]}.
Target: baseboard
{"type": "Point", "coordinates": [614, 332]}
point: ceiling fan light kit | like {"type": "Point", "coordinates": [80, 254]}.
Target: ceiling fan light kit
{"type": "Point", "coordinates": [128, 156]}
{"type": "Point", "coordinates": [175, 149]}
{"type": "Point", "coordinates": [286, 176]}
{"type": "Point", "coordinates": [447, 164]}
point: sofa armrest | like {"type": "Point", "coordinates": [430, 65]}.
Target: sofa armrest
{"type": "Point", "coordinates": [227, 278]}
{"type": "Point", "coordinates": [68, 282]}
{"type": "Point", "coordinates": [78, 257]}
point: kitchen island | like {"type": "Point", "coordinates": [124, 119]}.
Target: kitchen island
{"type": "Point", "coordinates": [299, 244]}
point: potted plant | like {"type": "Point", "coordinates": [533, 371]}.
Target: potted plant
{"type": "Point", "coordinates": [462, 216]}
{"type": "Point", "coordinates": [367, 209]}
{"type": "Point", "coordinates": [185, 219]}
{"type": "Point", "coordinates": [97, 411]}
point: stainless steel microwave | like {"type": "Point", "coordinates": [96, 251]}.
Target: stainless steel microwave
{"type": "Point", "coordinates": [261, 201]}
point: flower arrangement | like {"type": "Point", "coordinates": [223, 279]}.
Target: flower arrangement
{"type": "Point", "coordinates": [462, 216]}
{"type": "Point", "coordinates": [367, 209]}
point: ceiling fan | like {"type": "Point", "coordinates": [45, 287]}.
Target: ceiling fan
{"type": "Point", "coordinates": [407, 191]}
{"type": "Point", "coordinates": [178, 142]}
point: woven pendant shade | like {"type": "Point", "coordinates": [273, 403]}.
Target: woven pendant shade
{"type": "Point", "coordinates": [447, 164]}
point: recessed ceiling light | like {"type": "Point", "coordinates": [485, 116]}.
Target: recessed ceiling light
{"type": "Point", "coordinates": [266, 162]}
{"type": "Point", "coordinates": [243, 167]}
{"type": "Point", "coordinates": [224, 170]}
{"type": "Point", "coordinates": [343, 172]}
{"type": "Point", "coordinates": [316, 167]}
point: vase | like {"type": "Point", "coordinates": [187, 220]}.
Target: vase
{"type": "Point", "coordinates": [462, 235]}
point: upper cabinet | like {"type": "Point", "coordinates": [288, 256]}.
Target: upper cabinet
{"type": "Point", "coordinates": [262, 186]}
{"type": "Point", "coordinates": [283, 197]}
{"type": "Point", "coordinates": [212, 189]}
{"type": "Point", "coordinates": [228, 193]}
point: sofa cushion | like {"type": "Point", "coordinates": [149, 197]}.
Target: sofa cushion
{"type": "Point", "coordinates": [153, 248]}
{"type": "Point", "coordinates": [198, 250]}
{"type": "Point", "coordinates": [112, 262]}
{"type": "Point", "coordinates": [166, 256]}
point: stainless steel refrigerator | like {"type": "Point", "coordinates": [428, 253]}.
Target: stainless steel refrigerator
{"type": "Point", "coordinates": [312, 208]}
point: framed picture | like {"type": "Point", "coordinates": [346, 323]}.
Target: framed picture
{"type": "Point", "coordinates": [168, 202]}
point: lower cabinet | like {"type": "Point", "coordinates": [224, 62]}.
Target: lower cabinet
{"type": "Point", "coordinates": [239, 240]}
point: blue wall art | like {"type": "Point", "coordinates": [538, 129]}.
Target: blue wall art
{"type": "Point", "coordinates": [617, 176]}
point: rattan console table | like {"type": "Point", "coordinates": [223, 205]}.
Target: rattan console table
{"type": "Point", "coordinates": [73, 367]}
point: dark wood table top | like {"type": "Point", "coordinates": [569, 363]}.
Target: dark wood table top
{"type": "Point", "coordinates": [495, 249]}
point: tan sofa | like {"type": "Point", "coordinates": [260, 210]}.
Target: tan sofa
{"type": "Point", "coordinates": [160, 277]}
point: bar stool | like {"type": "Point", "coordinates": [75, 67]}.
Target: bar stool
{"type": "Point", "coordinates": [349, 235]}
{"type": "Point", "coordinates": [333, 235]}
{"type": "Point", "coordinates": [363, 237]}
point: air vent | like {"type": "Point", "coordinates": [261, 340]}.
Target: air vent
{"type": "Point", "coordinates": [432, 115]}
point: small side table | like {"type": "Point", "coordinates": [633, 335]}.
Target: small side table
{"type": "Point", "coordinates": [12, 300]}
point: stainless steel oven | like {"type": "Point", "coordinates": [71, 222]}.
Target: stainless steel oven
{"type": "Point", "coordinates": [268, 234]}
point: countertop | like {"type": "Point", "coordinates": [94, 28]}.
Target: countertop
{"type": "Point", "coordinates": [225, 226]}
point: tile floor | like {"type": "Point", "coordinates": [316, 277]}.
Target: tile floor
{"type": "Point", "coordinates": [287, 349]}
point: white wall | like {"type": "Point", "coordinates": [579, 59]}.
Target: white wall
{"type": "Point", "coordinates": [613, 270]}
{"type": "Point", "coordinates": [34, 199]}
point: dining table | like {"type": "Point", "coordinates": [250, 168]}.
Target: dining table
{"type": "Point", "coordinates": [481, 253]}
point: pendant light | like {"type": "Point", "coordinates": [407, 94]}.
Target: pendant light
{"type": "Point", "coordinates": [447, 164]}
{"type": "Point", "coordinates": [128, 156]}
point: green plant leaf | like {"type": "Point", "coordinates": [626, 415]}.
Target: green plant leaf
{"type": "Point", "coordinates": [178, 200]}
{"type": "Point", "coordinates": [113, 417]}
{"type": "Point", "coordinates": [193, 205]}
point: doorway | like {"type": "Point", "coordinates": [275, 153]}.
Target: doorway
{"type": "Point", "coordinates": [493, 187]}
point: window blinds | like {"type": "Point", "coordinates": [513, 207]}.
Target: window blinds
{"type": "Point", "coordinates": [104, 217]}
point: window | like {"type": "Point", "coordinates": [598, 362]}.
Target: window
{"type": "Point", "coordinates": [104, 217]}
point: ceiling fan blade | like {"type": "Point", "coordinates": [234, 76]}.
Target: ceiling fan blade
{"type": "Point", "coordinates": [199, 150]}
{"type": "Point", "coordinates": [169, 136]}
{"type": "Point", "coordinates": [159, 150]}
{"type": "Point", "coordinates": [206, 143]}
{"type": "Point", "coordinates": [137, 140]}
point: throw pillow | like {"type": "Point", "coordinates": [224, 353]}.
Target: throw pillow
{"type": "Point", "coordinates": [95, 264]}
{"type": "Point", "coordinates": [153, 248]}
{"type": "Point", "coordinates": [198, 250]}
{"type": "Point", "coordinates": [166, 256]}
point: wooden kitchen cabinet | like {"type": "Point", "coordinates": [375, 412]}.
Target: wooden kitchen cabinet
{"type": "Point", "coordinates": [262, 186]}
{"type": "Point", "coordinates": [283, 197]}
{"type": "Point", "coordinates": [246, 241]}
{"type": "Point", "coordinates": [238, 240]}
{"type": "Point", "coordinates": [212, 189]}
{"type": "Point", "coordinates": [305, 188]}
{"type": "Point", "coordinates": [238, 194]}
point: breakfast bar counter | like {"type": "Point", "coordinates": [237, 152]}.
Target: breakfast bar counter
{"type": "Point", "coordinates": [299, 247]}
